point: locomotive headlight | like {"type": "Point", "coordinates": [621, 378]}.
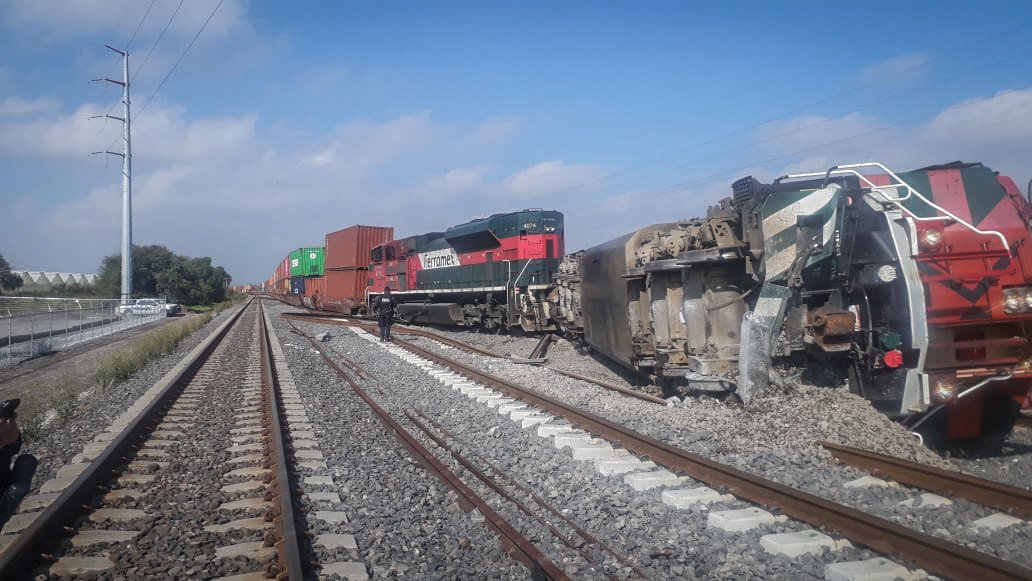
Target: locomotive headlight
{"type": "Point", "coordinates": [1028, 298]}
{"type": "Point", "coordinates": [943, 392]}
{"type": "Point", "coordinates": [1015, 299]}
{"type": "Point", "coordinates": [886, 273]}
{"type": "Point", "coordinates": [932, 237]}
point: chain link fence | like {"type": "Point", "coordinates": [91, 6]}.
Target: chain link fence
{"type": "Point", "coordinates": [30, 327]}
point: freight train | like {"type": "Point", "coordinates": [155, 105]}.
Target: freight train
{"type": "Point", "coordinates": [913, 289]}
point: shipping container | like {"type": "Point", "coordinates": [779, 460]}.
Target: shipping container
{"type": "Point", "coordinates": [306, 261]}
{"type": "Point", "coordinates": [315, 285]}
{"type": "Point", "coordinates": [345, 290]}
{"type": "Point", "coordinates": [297, 285]}
{"type": "Point", "coordinates": [283, 269]}
{"type": "Point", "coordinates": [350, 247]}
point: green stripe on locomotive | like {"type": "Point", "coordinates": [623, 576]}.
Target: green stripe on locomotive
{"type": "Point", "coordinates": [981, 189]}
{"type": "Point", "coordinates": [488, 274]}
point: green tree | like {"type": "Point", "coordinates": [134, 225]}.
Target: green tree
{"type": "Point", "coordinates": [8, 280]}
{"type": "Point", "coordinates": [158, 271]}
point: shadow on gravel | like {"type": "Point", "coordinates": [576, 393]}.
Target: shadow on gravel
{"type": "Point", "coordinates": [999, 447]}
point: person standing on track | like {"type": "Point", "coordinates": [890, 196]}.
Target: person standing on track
{"type": "Point", "coordinates": [385, 306]}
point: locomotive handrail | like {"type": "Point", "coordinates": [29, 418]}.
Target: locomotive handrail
{"type": "Point", "coordinates": [911, 192]}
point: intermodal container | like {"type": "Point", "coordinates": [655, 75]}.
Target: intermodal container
{"type": "Point", "coordinates": [350, 247]}
{"type": "Point", "coordinates": [283, 269]}
{"type": "Point", "coordinates": [345, 290]}
{"type": "Point", "coordinates": [306, 261]}
{"type": "Point", "coordinates": [297, 285]}
{"type": "Point", "coordinates": [315, 285]}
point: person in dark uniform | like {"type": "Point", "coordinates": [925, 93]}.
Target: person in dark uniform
{"type": "Point", "coordinates": [385, 305]}
{"type": "Point", "coordinates": [14, 481]}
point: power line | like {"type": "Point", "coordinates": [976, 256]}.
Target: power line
{"type": "Point", "coordinates": [981, 66]}
{"type": "Point", "coordinates": [139, 25]}
{"type": "Point", "coordinates": [700, 180]}
{"type": "Point", "coordinates": [127, 46]}
{"type": "Point", "coordinates": [158, 40]}
{"type": "Point", "coordinates": [186, 50]}
{"type": "Point", "coordinates": [993, 37]}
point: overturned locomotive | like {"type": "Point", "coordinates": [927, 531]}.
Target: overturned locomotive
{"type": "Point", "coordinates": [834, 274]}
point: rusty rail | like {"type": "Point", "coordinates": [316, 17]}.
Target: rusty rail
{"type": "Point", "coordinates": [523, 549]}
{"type": "Point", "coordinates": [311, 317]}
{"type": "Point", "coordinates": [555, 512]}
{"type": "Point", "coordinates": [1007, 498]}
{"type": "Point", "coordinates": [287, 548]}
{"type": "Point", "coordinates": [501, 491]}
{"type": "Point", "coordinates": [18, 558]}
{"type": "Point", "coordinates": [932, 554]}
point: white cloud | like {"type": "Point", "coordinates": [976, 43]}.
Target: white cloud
{"type": "Point", "coordinates": [992, 129]}
{"type": "Point", "coordinates": [553, 177]}
{"type": "Point", "coordinates": [15, 106]}
{"type": "Point", "coordinates": [162, 135]}
{"type": "Point", "coordinates": [221, 186]}
{"type": "Point", "coordinates": [497, 129]}
{"type": "Point", "coordinates": [898, 68]}
{"type": "Point", "coordinates": [448, 185]}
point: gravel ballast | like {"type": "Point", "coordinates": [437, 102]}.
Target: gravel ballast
{"type": "Point", "coordinates": [96, 408]}
{"type": "Point", "coordinates": [775, 437]}
{"type": "Point", "coordinates": [405, 522]}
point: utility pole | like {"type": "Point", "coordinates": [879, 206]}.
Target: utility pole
{"type": "Point", "coordinates": [127, 180]}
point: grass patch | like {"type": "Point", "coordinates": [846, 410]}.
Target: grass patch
{"type": "Point", "coordinates": [154, 345]}
{"type": "Point", "coordinates": [215, 308]}
{"type": "Point", "coordinates": [56, 403]}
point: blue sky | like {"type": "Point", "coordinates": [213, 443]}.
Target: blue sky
{"type": "Point", "coordinates": [289, 120]}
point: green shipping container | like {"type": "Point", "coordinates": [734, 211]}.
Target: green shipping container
{"type": "Point", "coordinates": [307, 261]}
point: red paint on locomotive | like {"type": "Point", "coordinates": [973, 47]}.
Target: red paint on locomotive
{"type": "Point", "coordinates": [972, 335]}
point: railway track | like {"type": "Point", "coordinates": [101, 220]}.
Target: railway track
{"type": "Point", "coordinates": [415, 331]}
{"type": "Point", "coordinates": [523, 549]}
{"type": "Point", "coordinates": [1010, 499]}
{"type": "Point", "coordinates": [193, 480]}
{"type": "Point", "coordinates": [933, 554]}
{"type": "Point", "coordinates": [930, 553]}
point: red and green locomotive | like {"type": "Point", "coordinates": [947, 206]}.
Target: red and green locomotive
{"type": "Point", "coordinates": [975, 260]}
{"type": "Point", "coordinates": [494, 272]}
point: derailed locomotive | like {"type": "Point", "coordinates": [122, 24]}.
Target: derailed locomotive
{"type": "Point", "coordinates": [915, 290]}
{"type": "Point", "coordinates": [919, 302]}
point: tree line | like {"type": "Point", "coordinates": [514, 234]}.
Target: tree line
{"type": "Point", "coordinates": [157, 271]}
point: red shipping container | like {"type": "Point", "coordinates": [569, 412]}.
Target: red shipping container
{"type": "Point", "coordinates": [315, 284]}
{"type": "Point", "coordinates": [345, 290]}
{"type": "Point", "coordinates": [350, 247]}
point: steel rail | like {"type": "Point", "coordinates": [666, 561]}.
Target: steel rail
{"type": "Point", "coordinates": [1007, 498]}
{"type": "Point", "coordinates": [477, 350]}
{"type": "Point", "coordinates": [583, 533]}
{"type": "Point", "coordinates": [930, 553]}
{"type": "Point", "coordinates": [19, 557]}
{"type": "Point", "coordinates": [494, 485]}
{"type": "Point", "coordinates": [524, 550]}
{"type": "Point", "coordinates": [287, 548]}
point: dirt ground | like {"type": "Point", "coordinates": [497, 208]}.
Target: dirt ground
{"type": "Point", "coordinates": [37, 380]}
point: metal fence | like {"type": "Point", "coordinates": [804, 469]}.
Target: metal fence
{"type": "Point", "coordinates": [30, 327]}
